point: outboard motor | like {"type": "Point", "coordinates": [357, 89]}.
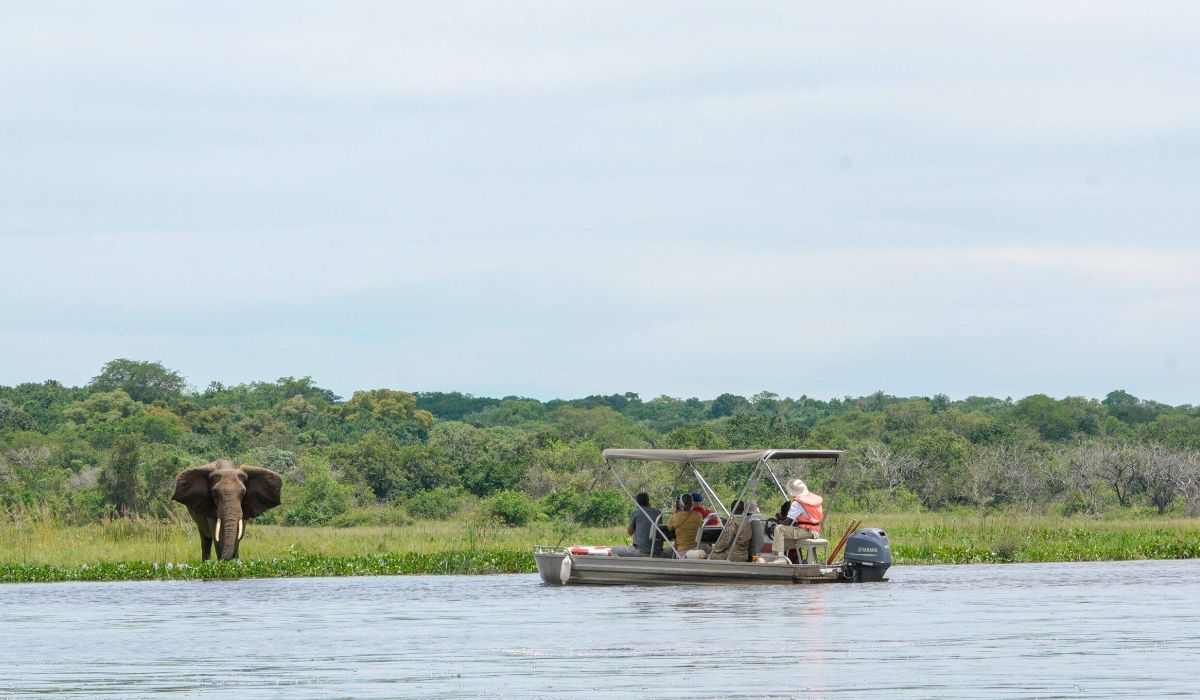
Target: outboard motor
{"type": "Point", "coordinates": [867, 555]}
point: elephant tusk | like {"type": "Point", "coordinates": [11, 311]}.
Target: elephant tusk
{"type": "Point", "coordinates": [217, 531]}
{"type": "Point", "coordinates": [241, 529]}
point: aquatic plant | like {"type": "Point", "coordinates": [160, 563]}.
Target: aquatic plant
{"type": "Point", "coordinates": [498, 561]}
{"type": "Point", "coordinates": [130, 550]}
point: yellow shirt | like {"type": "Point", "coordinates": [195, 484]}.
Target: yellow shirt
{"type": "Point", "coordinates": [686, 524]}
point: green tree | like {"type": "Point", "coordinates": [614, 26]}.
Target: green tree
{"type": "Point", "coordinates": [385, 405]}
{"type": "Point", "coordinates": [101, 417]}
{"type": "Point", "coordinates": [121, 480]}
{"type": "Point", "coordinates": [142, 381]}
{"type": "Point", "coordinates": [376, 462]}
{"type": "Point", "coordinates": [14, 417]}
{"type": "Point", "coordinates": [297, 411]}
{"type": "Point", "coordinates": [601, 424]}
{"type": "Point", "coordinates": [1042, 413]}
{"type": "Point", "coordinates": [1173, 430]}
{"type": "Point", "coordinates": [1128, 408]}
{"type": "Point", "coordinates": [726, 405]}
{"type": "Point", "coordinates": [701, 438]}
{"type": "Point", "coordinates": [260, 429]}
{"type": "Point", "coordinates": [511, 411]}
{"type": "Point", "coordinates": [452, 405]}
{"type": "Point", "coordinates": [746, 430]}
{"type": "Point", "coordinates": [907, 417]}
{"type": "Point", "coordinates": [487, 460]}
{"type": "Point", "coordinates": [939, 456]}
{"type": "Point", "coordinates": [425, 468]}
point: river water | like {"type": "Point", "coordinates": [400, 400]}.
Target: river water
{"type": "Point", "coordinates": [1016, 630]}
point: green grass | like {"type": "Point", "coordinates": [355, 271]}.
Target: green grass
{"type": "Point", "coordinates": [136, 550]}
{"type": "Point", "coordinates": [929, 538]}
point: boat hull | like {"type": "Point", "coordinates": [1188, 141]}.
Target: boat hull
{"type": "Point", "coordinates": [559, 567]}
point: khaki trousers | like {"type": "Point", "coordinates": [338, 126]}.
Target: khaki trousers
{"type": "Point", "coordinates": [786, 536]}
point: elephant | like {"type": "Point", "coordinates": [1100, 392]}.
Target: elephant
{"type": "Point", "coordinates": [221, 496]}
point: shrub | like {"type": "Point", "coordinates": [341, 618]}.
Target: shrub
{"type": "Point", "coordinates": [562, 504]}
{"type": "Point", "coordinates": [318, 499]}
{"type": "Point", "coordinates": [437, 504]}
{"type": "Point", "coordinates": [272, 458]}
{"type": "Point", "coordinates": [511, 507]}
{"type": "Point", "coordinates": [606, 507]}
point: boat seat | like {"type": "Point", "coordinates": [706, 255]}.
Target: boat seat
{"type": "Point", "coordinates": [808, 550]}
{"type": "Point", "coordinates": [758, 535]}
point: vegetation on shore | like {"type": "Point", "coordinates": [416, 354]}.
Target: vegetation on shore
{"type": "Point", "coordinates": [389, 481]}
{"type": "Point", "coordinates": [142, 550]}
{"type": "Point", "coordinates": [384, 456]}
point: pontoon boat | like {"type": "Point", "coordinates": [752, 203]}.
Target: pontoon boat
{"type": "Point", "coordinates": [866, 557]}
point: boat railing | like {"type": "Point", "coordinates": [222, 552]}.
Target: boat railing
{"type": "Point", "coordinates": [550, 549]}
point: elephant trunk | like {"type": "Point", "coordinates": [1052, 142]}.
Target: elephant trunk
{"type": "Point", "coordinates": [228, 528]}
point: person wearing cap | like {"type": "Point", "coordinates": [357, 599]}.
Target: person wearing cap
{"type": "Point", "coordinates": [698, 506]}
{"type": "Point", "coordinates": [803, 521]}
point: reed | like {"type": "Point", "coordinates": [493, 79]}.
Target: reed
{"type": "Point", "coordinates": [44, 550]}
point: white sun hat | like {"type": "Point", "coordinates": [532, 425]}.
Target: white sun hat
{"type": "Point", "coordinates": [796, 487]}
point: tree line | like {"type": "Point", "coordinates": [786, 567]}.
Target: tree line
{"type": "Point", "coordinates": [112, 447]}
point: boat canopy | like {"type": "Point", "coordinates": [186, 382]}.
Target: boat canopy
{"type": "Point", "coordinates": [695, 456]}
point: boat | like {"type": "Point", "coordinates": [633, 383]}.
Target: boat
{"type": "Point", "coordinates": [866, 553]}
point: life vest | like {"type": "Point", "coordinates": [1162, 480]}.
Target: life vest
{"type": "Point", "coordinates": [588, 549]}
{"type": "Point", "coordinates": [811, 511]}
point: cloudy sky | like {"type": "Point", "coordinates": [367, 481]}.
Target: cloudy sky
{"type": "Point", "coordinates": [559, 199]}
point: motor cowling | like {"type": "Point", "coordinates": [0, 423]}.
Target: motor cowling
{"type": "Point", "coordinates": [868, 554]}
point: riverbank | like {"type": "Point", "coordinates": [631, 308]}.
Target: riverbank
{"type": "Point", "coordinates": [140, 550]}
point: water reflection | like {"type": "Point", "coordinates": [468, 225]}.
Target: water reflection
{"type": "Point", "coordinates": [978, 631]}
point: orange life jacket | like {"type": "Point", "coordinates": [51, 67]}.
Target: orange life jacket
{"type": "Point", "coordinates": [813, 513]}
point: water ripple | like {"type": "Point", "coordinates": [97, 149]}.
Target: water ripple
{"type": "Point", "coordinates": [1045, 630]}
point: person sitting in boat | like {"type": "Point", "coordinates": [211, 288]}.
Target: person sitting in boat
{"type": "Point", "coordinates": [774, 520]}
{"type": "Point", "coordinates": [710, 518]}
{"type": "Point", "coordinates": [734, 542]}
{"type": "Point", "coordinates": [685, 523]}
{"type": "Point", "coordinates": [641, 528]}
{"type": "Point", "coordinates": [803, 520]}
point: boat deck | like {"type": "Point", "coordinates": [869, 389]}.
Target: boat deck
{"type": "Point", "coordinates": [558, 566]}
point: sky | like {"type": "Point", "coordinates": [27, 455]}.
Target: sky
{"type": "Point", "coordinates": [563, 199]}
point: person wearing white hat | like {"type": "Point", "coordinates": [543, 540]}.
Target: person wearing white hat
{"type": "Point", "coordinates": [803, 521]}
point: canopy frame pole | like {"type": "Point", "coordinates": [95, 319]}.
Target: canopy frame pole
{"type": "Point", "coordinates": [745, 516]}
{"type": "Point", "coordinates": [775, 478]}
{"type": "Point", "coordinates": [653, 521]}
{"type": "Point", "coordinates": [837, 472]}
{"type": "Point", "coordinates": [708, 490]}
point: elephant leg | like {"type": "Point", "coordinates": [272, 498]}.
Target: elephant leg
{"type": "Point", "coordinates": [205, 548]}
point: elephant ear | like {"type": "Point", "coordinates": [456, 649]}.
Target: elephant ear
{"type": "Point", "coordinates": [191, 489]}
{"type": "Point", "coordinates": [262, 491]}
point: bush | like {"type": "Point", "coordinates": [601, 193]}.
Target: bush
{"type": "Point", "coordinates": [318, 499]}
{"type": "Point", "coordinates": [562, 504]}
{"type": "Point", "coordinates": [437, 504]}
{"type": "Point", "coordinates": [272, 458]}
{"type": "Point", "coordinates": [511, 507]}
{"type": "Point", "coordinates": [607, 507]}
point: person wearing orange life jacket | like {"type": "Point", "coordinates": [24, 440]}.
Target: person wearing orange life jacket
{"type": "Point", "coordinates": [803, 520]}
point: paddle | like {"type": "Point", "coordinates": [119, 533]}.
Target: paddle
{"type": "Point", "coordinates": [854, 524]}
